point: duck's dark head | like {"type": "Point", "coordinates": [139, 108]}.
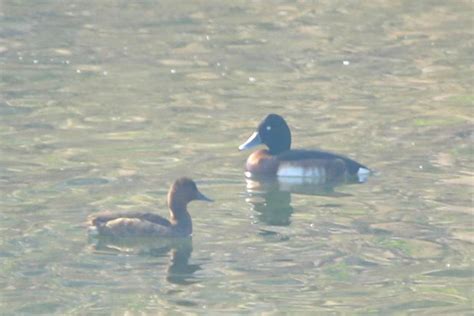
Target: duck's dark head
{"type": "Point", "coordinates": [183, 191]}
{"type": "Point", "coordinates": [273, 132]}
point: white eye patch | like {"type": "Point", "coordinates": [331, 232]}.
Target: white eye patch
{"type": "Point", "coordinates": [268, 127]}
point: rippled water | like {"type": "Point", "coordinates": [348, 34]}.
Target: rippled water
{"type": "Point", "coordinates": [104, 104]}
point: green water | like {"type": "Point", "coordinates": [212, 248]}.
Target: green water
{"type": "Point", "coordinates": [103, 104]}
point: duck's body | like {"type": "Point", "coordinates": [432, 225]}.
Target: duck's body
{"type": "Point", "coordinates": [182, 192]}
{"type": "Point", "coordinates": [282, 161]}
{"type": "Point", "coordinates": [132, 225]}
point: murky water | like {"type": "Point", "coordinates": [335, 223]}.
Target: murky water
{"type": "Point", "coordinates": [104, 104]}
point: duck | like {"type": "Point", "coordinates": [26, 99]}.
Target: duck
{"type": "Point", "coordinates": [282, 161]}
{"type": "Point", "coordinates": [179, 224]}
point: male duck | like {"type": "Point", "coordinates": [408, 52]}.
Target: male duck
{"type": "Point", "coordinates": [181, 192]}
{"type": "Point", "coordinates": [282, 161]}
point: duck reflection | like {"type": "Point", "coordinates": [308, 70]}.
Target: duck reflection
{"type": "Point", "coordinates": [272, 205]}
{"type": "Point", "coordinates": [179, 270]}
{"type": "Point", "coordinates": [270, 197]}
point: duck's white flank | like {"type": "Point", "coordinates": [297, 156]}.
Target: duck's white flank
{"type": "Point", "coordinates": [288, 170]}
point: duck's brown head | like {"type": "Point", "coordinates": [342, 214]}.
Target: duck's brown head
{"type": "Point", "coordinates": [183, 191]}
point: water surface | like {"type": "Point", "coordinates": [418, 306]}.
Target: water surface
{"type": "Point", "coordinates": [104, 104]}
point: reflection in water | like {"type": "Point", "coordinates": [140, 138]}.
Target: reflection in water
{"type": "Point", "coordinates": [270, 197]}
{"type": "Point", "coordinates": [179, 270]}
{"type": "Point", "coordinates": [273, 207]}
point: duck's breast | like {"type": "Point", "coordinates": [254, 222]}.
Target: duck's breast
{"type": "Point", "coordinates": [262, 163]}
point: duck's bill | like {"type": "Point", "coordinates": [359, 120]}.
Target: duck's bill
{"type": "Point", "coordinates": [202, 197]}
{"type": "Point", "coordinates": [254, 140]}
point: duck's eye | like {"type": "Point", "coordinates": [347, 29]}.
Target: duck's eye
{"type": "Point", "coordinates": [268, 127]}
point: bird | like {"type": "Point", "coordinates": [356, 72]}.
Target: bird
{"type": "Point", "coordinates": [179, 224]}
{"type": "Point", "coordinates": [282, 161]}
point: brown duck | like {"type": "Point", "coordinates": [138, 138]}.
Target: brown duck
{"type": "Point", "coordinates": [179, 224]}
